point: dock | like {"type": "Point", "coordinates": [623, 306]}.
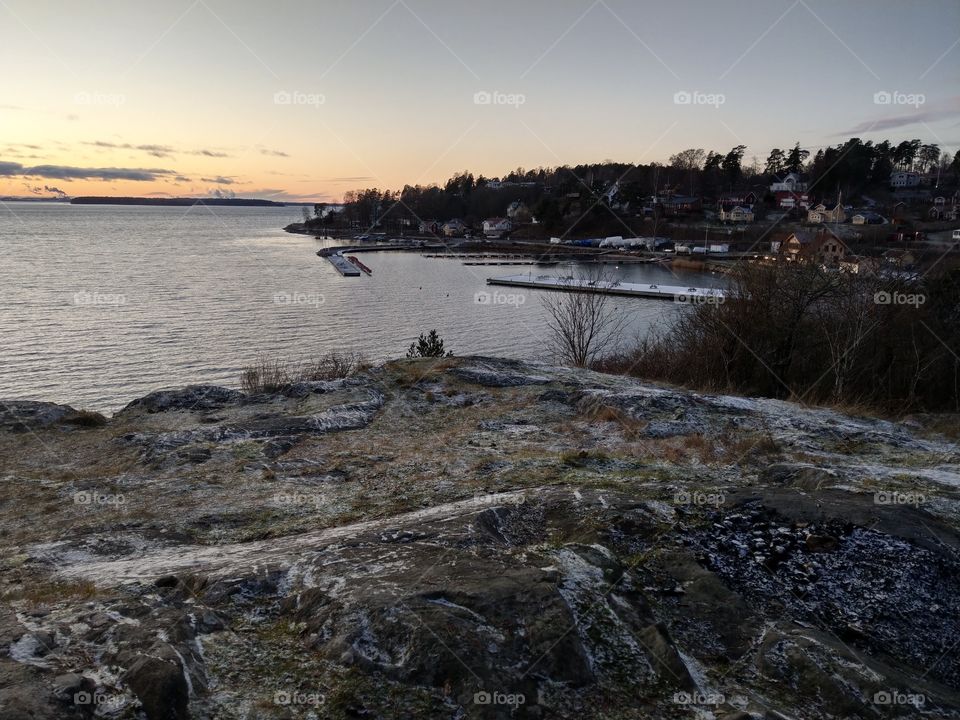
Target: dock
{"type": "Point", "coordinates": [343, 266]}
{"type": "Point", "coordinates": [615, 287]}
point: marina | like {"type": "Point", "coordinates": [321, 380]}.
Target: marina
{"type": "Point", "coordinates": [677, 293]}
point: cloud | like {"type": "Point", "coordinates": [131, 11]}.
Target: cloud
{"type": "Point", "coordinates": [219, 180]}
{"type": "Point", "coordinates": [358, 178]}
{"type": "Point", "coordinates": [950, 110]}
{"type": "Point", "coordinates": [226, 194]}
{"type": "Point", "coordinates": [181, 178]}
{"type": "Point", "coordinates": [284, 195]}
{"type": "Point", "coordinates": [273, 153]}
{"type": "Point", "coordinates": [154, 149]}
{"type": "Point", "coordinates": [208, 153]}
{"type": "Point", "coordinates": [55, 190]}
{"type": "Point", "coordinates": [151, 149]}
{"type": "Point", "coordinates": [68, 172]}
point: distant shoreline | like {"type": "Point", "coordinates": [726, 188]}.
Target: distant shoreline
{"type": "Point", "coordinates": [175, 202]}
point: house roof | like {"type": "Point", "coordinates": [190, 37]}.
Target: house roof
{"type": "Point", "coordinates": [804, 237]}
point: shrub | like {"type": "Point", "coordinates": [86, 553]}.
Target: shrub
{"type": "Point", "coordinates": [428, 346]}
{"type": "Point", "coordinates": [796, 331]}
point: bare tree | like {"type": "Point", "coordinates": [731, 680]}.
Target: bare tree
{"type": "Point", "coordinates": [583, 321]}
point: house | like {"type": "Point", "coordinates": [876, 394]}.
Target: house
{"type": "Point", "coordinates": [900, 259]}
{"type": "Point", "coordinates": [788, 200]}
{"type": "Point", "coordinates": [904, 179]}
{"type": "Point", "coordinates": [790, 184]}
{"type": "Point", "coordinates": [496, 227]}
{"type": "Point", "coordinates": [431, 227]}
{"type": "Point", "coordinates": [823, 247]}
{"type": "Point", "coordinates": [736, 214]}
{"type": "Point", "coordinates": [748, 199]}
{"type": "Point", "coordinates": [859, 265]}
{"type": "Point", "coordinates": [866, 217]}
{"type": "Point", "coordinates": [823, 214]}
{"type": "Point", "coordinates": [453, 228]}
{"type": "Point", "coordinates": [945, 208]}
{"type": "Point", "coordinates": [677, 204]}
{"type": "Point", "coordinates": [517, 212]}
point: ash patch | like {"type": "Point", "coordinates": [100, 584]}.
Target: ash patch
{"type": "Point", "coordinates": [871, 589]}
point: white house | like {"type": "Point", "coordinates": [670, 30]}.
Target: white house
{"type": "Point", "coordinates": [496, 227]}
{"type": "Point", "coordinates": [791, 183]}
{"type": "Point", "coordinates": [823, 214]}
{"type": "Point", "coordinates": [904, 179]}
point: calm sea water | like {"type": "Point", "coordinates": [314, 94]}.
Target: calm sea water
{"type": "Point", "coordinates": [102, 304]}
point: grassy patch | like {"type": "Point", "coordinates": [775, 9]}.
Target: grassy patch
{"type": "Point", "coordinates": [268, 375]}
{"type": "Point", "coordinates": [49, 593]}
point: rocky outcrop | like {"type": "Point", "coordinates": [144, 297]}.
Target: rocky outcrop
{"type": "Point", "coordinates": [476, 538]}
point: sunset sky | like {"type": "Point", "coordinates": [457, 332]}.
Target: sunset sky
{"type": "Point", "coordinates": [305, 100]}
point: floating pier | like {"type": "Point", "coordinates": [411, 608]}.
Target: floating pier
{"type": "Point", "coordinates": [504, 262]}
{"type": "Point", "coordinates": [343, 266]}
{"type": "Point", "coordinates": [569, 284]}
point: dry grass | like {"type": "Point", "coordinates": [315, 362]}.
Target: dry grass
{"type": "Point", "coordinates": [579, 458]}
{"type": "Point", "coordinates": [274, 375]}
{"type": "Point", "coordinates": [48, 593]}
{"type": "Point", "coordinates": [408, 373]}
{"type": "Point", "coordinates": [745, 447]}
{"type": "Point", "coordinates": [631, 427]}
{"type": "Point", "coordinates": [87, 419]}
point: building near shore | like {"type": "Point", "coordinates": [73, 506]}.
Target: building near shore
{"type": "Point", "coordinates": [822, 247]}
{"type": "Point", "coordinates": [496, 227]}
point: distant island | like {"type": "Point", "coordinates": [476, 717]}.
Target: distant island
{"type": "Point", "coordinates": [175, 202]}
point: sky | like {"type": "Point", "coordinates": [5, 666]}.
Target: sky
{"type": "Point", "coordinates": [295, 100]}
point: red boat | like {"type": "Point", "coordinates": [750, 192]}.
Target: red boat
{"type": "Point", "coordinates": [356, 261]}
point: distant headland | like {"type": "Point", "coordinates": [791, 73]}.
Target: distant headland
{"type": "Point", "coordinates": [176, 202]}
